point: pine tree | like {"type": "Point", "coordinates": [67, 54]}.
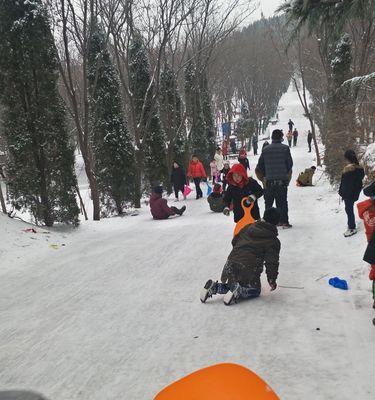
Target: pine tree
{"type": "Point", "coordinates": [208, 116]}
{"type": "Point", "coordinates": [41, 169]}
{"type": "Point", "coordinates": [198, 130]}
{"type": "Point", "coordinates": [151, 136]}
{"type": "Point", "coordinates": [112, 144]}
{"type": "Point", "coordinates": [171, 116]}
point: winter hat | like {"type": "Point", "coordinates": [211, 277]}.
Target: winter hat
{"type": "Point", "coordinates": [158, 189]}
{"type": "Point", "coordinates": [238, 169]}
{"type": "Point", "coordinates": [313, 167]}
{"type": "Point", "coordinates": [350, 156]}
{"type": "Point", "coordinates": [277, 134]}
{"type": "Point", "coordinates": [217, 188]}
{"type": "Point", "coordinates": [272, 216]}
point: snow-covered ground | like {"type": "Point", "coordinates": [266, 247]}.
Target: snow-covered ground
{"type": "Point", "coordinates": [111, 310]}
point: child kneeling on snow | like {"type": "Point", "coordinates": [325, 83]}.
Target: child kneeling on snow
{"type": "Point", "coordinates": [366, 211]}
{"type": "Point", "coordinates": [305, 177]}
{"type": "Point", "coordinates": [159, 206]}
{"type": "Point", "coordinates": [255, 245]}
{"type": "Point", "coordinates": [216, 199]}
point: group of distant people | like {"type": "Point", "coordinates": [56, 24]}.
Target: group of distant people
{"type": "Point", "coordinates": [257, 244]}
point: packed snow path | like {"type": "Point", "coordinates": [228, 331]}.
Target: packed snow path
{"type": "Point", "coordinates": [112, 310]}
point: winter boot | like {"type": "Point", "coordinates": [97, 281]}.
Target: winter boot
{"type": "Point", "coordinates": [350, 232]}
{"type": "Point", "coordinates": [232, 295]}
{"type": "Point", "coordinates": [178, 211]}
{"type": "Point", "coordinates": [210, 288]}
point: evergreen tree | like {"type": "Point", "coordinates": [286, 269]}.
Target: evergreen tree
{"type": "Point", "coordinates": [208, 116]}
{"type": "Point", "coordinates": [112, 143]}
{"type": "Point", "coordinates": [171, 116]}
{"type": "Point", "coordinates": [198, 130]}
{"type": "Point", "coordinates": [151, 136]}
{"type": "Point", "coordinates": [41, 169]}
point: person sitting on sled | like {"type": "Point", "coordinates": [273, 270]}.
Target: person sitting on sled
{"type": "Point", "coordinates": [240, 186]}
{"type": "Point", "coordinates": [255, 245]}
{"type": "Point", "coordinates": [305, 177]}
{"type": "Point", "coordinates": [159, 207]}
{"type": "Point", "coordinates": [216, 199]}
{"type": "Point", "coordinates": [366, 211]}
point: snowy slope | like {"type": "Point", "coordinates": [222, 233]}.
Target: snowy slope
{"type": "Point", "coordinates": [115, 312]}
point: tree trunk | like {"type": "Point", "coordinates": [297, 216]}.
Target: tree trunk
{"type": "Point", "coordinates": [93, 185]}
{"type": "Point", "coordinates": [83, 209]}
{"type": "Point", "coordinates": [138, 180]}
{"type": "Point", "coordinates": [2, 201]}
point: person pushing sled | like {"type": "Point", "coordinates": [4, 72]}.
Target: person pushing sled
{"type": "Point", "coordinates": [253, 246]}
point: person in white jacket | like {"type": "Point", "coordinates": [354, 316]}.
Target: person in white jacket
{"type": "Point", "coordinates": [219, 158]}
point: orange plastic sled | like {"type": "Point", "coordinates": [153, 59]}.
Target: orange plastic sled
{"type": "Point", "coordinates": [219, 382]}
{"type": "Point", "coordinates": [247, 219]}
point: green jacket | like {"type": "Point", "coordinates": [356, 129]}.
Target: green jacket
{"type": "Point", "coordinates": [255, 245]}
{"type": "Point", "coordinates": [305, 178]}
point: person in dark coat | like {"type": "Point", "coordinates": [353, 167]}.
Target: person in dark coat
{"type": "Point", "coordinates": [265, 144]}
{"type": "Point", "coordinates": [216, 199]}
{"type": "Point", "coordinates": [159, 206]}
{"type": "Point", "coordinates": [255, 245]}
{"type": "Point", "coordinates": [290, 125]}
{"type": "Point", "coordinates": [309, 140]}
{"type": "Point", "coordinates": [225, 171]}
{"type": "Point", "coordinates": [295, 137]}
{"type": "Point", "coordinates": [274, 169]}
{"type": "Point", "coordinates": [240, 186]}
{"type": "Point", "coordinates": [255, 144]}
{"type": "Point", "coordinates": [178, 179]}
{"type": "Point", "coordinates": [233, 146]}
{"type": "Point", "coordinates": [242, 159]}
{"type": "Point", "coordinates": [350, 188]}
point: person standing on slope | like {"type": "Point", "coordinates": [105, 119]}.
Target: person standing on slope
{"type": "Point", "coordinates": [274, 169]}
{"type": "Point", "coordinates": [295, 137]}
{"type": "Point", "coordinates": [240, 186]}
{"type": "Point", "coordinates": [255, 144]}
{"type": "Point", "coordinates": [178, 179]}
{"type": "Point", "coordinates": [290, 125]}
{"type": "Point", "coordinates": [218, 157]}
{"type": "Point", "coordinates": [197, 173]}
{"type": "Point", "coordinates": [309, 140]}
{"type": "Point", "coordinates": [225, 171]}
{"type": "Point", "coordinates": [350, 188]}
{"type": "Point", "coordinates": [289, 137]}
{"type": "Point", "coordinates": [242, 159]}
{"type": "Point", "coordinates": [255, 245]}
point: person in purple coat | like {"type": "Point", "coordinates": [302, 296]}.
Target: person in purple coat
{"type": "Point", "coordinates": [159, 206]}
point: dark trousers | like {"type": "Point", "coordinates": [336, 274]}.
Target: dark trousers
{"type": "Point", "coordinates": [349, 209]}
{"type": "Point", "coordinates": [197, 182]}
{"type": "Point", "coordinates": [178, 189]}
{"type": "Point", "coordinates": [279, 193]}
{"type": "Point", "coordinates": [309, 143]}
{"type": "Point", "coordinates": [246, 292]}
{"type": "Point", "coordinates": [255, 150]}
{"type": "Point", "coordinates": [290, 142]}
{"type": "Point", "coordinates": [294, 141]}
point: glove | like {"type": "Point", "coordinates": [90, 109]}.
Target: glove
{"type": "Point", "coordinates": [226, 211]}
{"type": "Point", "coordinates": [250, 200]}
{"type": "Point", "coordinates": [272, 284]}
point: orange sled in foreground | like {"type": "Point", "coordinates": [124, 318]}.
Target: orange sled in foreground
{"type": "Point", "coordinates": [247, 219]}
{"type": "Point", "coordinates": [219, 382]}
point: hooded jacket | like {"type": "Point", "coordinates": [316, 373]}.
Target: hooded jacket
{"type": "Point", "coordinates": [305, 178]}
{"type": "Point", "coordinates": [159, 207]}
{"type": "Point", "coordinates": [351, 182]}
{"type": "Point", "coordinates": [255, 245]}
{"type": "Point", "coordinates": [196, 170]}
{"type": "Point", "coordinates": [236, 192]}
{"type": "Point", "coordinates": [275, 163]}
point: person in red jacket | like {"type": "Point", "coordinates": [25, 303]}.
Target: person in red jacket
{"type": "Point", "coordinates": [366, 211]}
{"type": "Point", "coordinates": [159, 206]}
{"type": "Point", "coordinates": [240, 186]}
{"type": "Point", "coordinates": [197, 172]}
